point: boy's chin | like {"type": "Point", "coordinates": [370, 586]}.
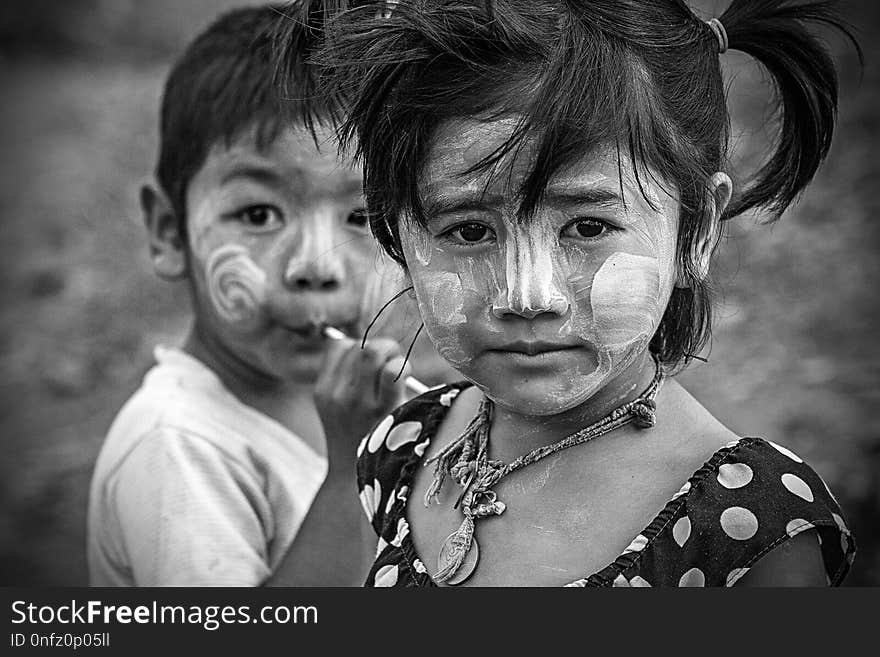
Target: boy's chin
{"type": "Point", "coordinates": [299, 368]}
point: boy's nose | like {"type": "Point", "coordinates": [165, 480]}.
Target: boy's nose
{"type": "Point", "coordinates": [313, 276]}
{"type": "Point", "coordinates": [315, 263]}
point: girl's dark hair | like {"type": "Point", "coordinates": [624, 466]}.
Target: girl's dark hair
{"type": "Point", "coordinates": [643, 75]}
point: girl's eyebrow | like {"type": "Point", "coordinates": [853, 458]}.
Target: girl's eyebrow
{"type": "Point", "coordinates": [574, 195]}
{"type": "Point", "coordinates": [447, 202]}
{"type": "Point", "coordinates": [441, 202]}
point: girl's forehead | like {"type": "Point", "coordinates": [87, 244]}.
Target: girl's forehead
{"type": "Point", "coordinates": [460, 144]}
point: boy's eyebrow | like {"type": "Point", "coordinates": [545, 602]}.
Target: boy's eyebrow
{"type": "Point", "coordinates": [273, 178]}
{"type": "Point", "coordinates": [261, 174]}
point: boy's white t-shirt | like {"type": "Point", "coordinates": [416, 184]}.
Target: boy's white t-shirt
{"type": "Point", "coordinates": [193, 487]}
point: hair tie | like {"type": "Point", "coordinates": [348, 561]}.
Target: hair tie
{"type": "Point", "coordinates": [720, 33]}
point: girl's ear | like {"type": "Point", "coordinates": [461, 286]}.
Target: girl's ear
{"type": "Point", "coordinates": [167, 244]}
{"type": "Point", "coordinates": [720, 191]}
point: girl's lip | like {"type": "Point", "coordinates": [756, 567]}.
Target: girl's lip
{"type": "Point", "coordinates": [535, 347]}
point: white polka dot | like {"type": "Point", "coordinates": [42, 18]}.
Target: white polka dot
{"type": "Point", "coordinates": [620, 582]}
{"type": "Point", "coordinates": [386, 576]}
{"type": "Point", "coordinates": [735, 575]}
{"type": "Point", "coordinates": [371, 497]}
{"type": "Point", "coordinates": [683, 490]}
{"type": "Point", "coordinates": [402, 531]}
{"type": "Point", "coordinates": [693, 577]}
{"type": "Point", "coordinates": [403, 433]}
{"type": "Point", "coordinates": [421, 447]}
{"type": "Point", "coordinates": [819, 536]}
{"type": "Point", "coordinates": [638, 544]}
{"type": "Point", "coordinates": [844, 543]}
{"type": "Point", "coordinates": [363, 443]}
{"type": "Point", "coordinates": [419, 566]}
{"type": "Point", "coordinates": [681, 530]}
{"type": "Point", "coordinates": [797, 526]}
{"type": "Point", "coordinates": [639, 581]}
{"type": "Point", "coordinates": [787, 452]}
{"type": "Point", "coordinates": [447, 398]}
{"type": "Point", "coordinates": [739, 523]}
{"type": "Point", "coordinates": [379, 433]}
{"type": "Point", "coordinates": [840, 524]}
{"type": "Point", "coordinates": [403, 493]}
{"type": "Point", "coordinates": [734, 475]}
{"type": "Point", "coordinates": [380, 546]}
{"type": "Point", "coordinates": [391, 500]}
{"type": "Point", "coordinates": [797, 486]}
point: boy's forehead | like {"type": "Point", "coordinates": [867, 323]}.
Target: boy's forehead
{"type": "Point", "coordinates": [293, 155]}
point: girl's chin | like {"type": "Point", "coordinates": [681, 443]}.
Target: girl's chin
{"type": "Point", "coordinates": [537, 398]}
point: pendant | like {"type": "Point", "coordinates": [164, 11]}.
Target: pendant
{"type": "Point", "coordinates": [449, 553]}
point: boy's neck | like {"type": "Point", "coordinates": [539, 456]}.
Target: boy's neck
{"type": "Point", "coordinates": [533, 431]}
{"type": "Point", "coordinates": [239, 377]}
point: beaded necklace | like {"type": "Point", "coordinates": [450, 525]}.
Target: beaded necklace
{"type": "Point", "coordinates": [466, 461]}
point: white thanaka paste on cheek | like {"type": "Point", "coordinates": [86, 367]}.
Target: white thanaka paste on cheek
{"type": "Point", "coordinates": [624, 298]}
{"type": "Point", "coordinates": [236, 285]}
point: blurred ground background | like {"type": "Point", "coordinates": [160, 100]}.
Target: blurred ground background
{"type": "Point", "coordinates": [794, 356]}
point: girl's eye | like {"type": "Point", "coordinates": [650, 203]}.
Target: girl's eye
{"type": "Point", "coordinates": [585, 229]}
{"type": "Point", "coordinates": [357, 218]}
{"type": "Point", "coordinates": [260, 217]}
{"type": "Point", "coordinates": [470, 233]}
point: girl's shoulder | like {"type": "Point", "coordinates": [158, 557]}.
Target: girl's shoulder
{"type": "Point", "coordinates": [387, 457]}
{"type": "Point", "coordinates": [752, 496]}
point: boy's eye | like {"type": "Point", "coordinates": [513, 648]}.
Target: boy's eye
{"type": "Point", "coordinates": [357, 218]}
{"type": "Point", "coordinates": [470, 233]}
{"type": "Point", "coordinates": [260, 217]}
{"type": "Point", "coordinates": [585, 229]}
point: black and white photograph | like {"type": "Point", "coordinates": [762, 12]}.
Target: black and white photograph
{"type": "Point", "coordinates": [439, 293]}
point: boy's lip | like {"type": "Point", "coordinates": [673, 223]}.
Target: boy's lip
{"type": "Point", "coordinates": [313, 331]}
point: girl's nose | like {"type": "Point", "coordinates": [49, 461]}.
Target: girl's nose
{"type": "Point", "coordinates": [529, 307]}
{"type": "Point", "coordinates": [529, 289]}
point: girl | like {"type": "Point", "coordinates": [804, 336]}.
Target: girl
{"type": "Point", "coordinates": [551, 177]}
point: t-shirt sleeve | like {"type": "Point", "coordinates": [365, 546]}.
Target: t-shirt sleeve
{"type": "Point", "coordinates": [188, 514]}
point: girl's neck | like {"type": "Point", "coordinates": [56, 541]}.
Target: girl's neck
{"type": "Point", "coordinates": [514, 434]}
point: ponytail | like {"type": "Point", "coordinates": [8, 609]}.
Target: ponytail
{"type": "Point", "coordinates": [775, 33]}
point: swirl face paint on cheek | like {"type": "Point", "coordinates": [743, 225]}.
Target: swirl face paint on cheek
{"type": "Point", "coordinates": [236, 286]}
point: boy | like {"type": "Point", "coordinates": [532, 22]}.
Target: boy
{"type": "Point", "coordinates": [217, 471]}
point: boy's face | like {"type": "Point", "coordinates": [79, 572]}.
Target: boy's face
{"type": "Point", "coordinates": [541, 314]}
{"type": "Point", "coordinates": [279, 247]}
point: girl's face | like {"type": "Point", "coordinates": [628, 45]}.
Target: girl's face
{"type": "Point", "coordinates": [543, 314]}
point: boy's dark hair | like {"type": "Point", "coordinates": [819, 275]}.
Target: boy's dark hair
{"type": "Point", "coordinates": [643, 75]}
{"type": "Point", "coordinates": [225, 83]}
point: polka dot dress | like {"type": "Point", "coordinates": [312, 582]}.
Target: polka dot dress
{"type": "Point", "coordinates": [748, 498]}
